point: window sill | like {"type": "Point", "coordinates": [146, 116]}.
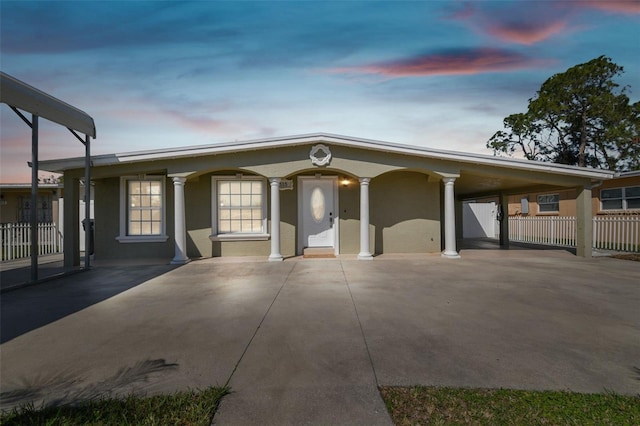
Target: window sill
{"type": "Point", "coordinates": [142, 239]}
{"type": "Point", "coordinates": [618, 212]}
{"type": "Point", "coordinates": [240, 237]}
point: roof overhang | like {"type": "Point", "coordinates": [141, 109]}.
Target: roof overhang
{"type": "Point", "coordinates": [18, 94]}
{"type": "Point", "coordinates": [61, 165]}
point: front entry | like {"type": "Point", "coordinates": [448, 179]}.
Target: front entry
{"type": "Point", "coordinates": [319, 221]}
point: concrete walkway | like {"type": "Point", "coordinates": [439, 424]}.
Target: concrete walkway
{"type": "Point", "coordinates": [309, 341]}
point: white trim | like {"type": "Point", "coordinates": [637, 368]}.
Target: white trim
{"type": "Point", "coordinates": [320, 161]}
{"type": "Point", "coordinates": [240, 237]}
{"type": "Point", "coordinates": [330, 139]}
{"type": "Point", "coordinates": [123, 237]}
{"type": "Point", "coordinates": [336, 207]}
{"type": "Point", "coordinates": [258, 236]}
{"type": "Point", "coordinates": [142, 239]}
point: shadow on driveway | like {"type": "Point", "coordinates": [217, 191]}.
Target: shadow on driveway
{"type": "Point", "coordinates": [29, 308]}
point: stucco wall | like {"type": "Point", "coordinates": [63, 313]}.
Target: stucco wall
{"type": "Point", "coordinates": [197, 200]}
{"type": "Point", "coordinates": [349, 214]}
{"type": "Point", "coordinates": [566, 206]}
{"type": "Point", "coordinates": [405, 213]}
{"type": "Point", "coordinates": [198, 205]}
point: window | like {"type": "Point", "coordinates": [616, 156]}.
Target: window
{"type": "Point", "coordinates": [142, 209]}
{"type": "Point", "coordinates": [626, 198]}
{"type": "Point", "coordinates": [239, 208]}
{"type": "Point", "coordinates": [548, 203]}
{"type": "Point", "coordinates": [44, 209]}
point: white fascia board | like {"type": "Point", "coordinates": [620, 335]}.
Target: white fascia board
{"type": "Point", "coordinates": [236, 147]}
{"type": "Point", "coordinates": [28, 185]}
{"type": "Point", "coordinates": [18, 94]}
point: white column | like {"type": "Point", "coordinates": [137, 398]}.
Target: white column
{"type": "Point", "coordinates": [180, 231]}
{"type": "Point", "coordinates": [275, 220]}
{"type": "Point", "coordinates": [364, 254]}
{"type": "Point", "coordinates": [449, 219]}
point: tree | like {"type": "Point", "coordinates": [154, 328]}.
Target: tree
{"type": "Point", "coordinates": [578, 117]}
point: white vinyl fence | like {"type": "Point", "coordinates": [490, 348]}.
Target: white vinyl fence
{"type": "Point", "coordinates": [16, 240]}
{"type": "Point", "coordinates": [620, 233]}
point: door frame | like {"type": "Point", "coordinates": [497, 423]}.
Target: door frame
{"type": "Point", "coordinates": [336, 212]}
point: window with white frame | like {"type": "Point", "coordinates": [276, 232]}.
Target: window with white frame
{"type": "Point", "coordinates": [239, 207]}
{"type": "Point", "coordinates": [548, 203]}
{"type": "Point", "coordinates": [625, 198]}
{"type": "Point", "coordinates": [142, 209]}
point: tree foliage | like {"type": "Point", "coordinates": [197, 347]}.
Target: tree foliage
{"type": "Point", "coordinates": [579, 117]}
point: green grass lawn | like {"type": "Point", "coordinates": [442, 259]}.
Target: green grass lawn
{"type": "Point", "coordinates": [417, 405]}
{"type": "Point", "coordinates": [182, 408]}
{"type": "Point", "coordinates": [422, 405]}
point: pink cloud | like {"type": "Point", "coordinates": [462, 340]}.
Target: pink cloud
{"type": "Point", "coordinates": [457, 62]}
{"type": "Point", "coordinates": [528, 22]}
{"type": "Point", "coordinates": [15, 153]}
{"type": "Point", "coordinates": [522, 23]}
{"type": "Point", "coordinates": [629, 7]}
{"type": "Point", "coordinates": [525, 33]}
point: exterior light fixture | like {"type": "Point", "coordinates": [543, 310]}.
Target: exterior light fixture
{"type": "Point", "coordinates": [345, 181]}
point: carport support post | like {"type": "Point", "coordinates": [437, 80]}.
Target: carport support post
{"type": "Point", "coordinates": [504, 221]}
{"type": "Point", "coordinates": [71, 242]}
{"type": "Point", "coordinates": [34, 198]}
{"type": "Point", "coordinates": [449, 219]}
{"type": "Point", "coordinates": [180, 230]}
{"type": "Point", "coordinates": [584, 226]}
{"type": "Point", "coordinates": [275, 220]}
{"type": "Point", "coordinates": [364, 254]}
{"type": "Point", "coordinates": [87, 202]}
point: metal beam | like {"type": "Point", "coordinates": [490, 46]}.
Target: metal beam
{"type": "Point", "coordinates": [21, 96]}
{"type": "Point", "coordinates": [87, 203]}
{"type": "Point", "coordinates": [34, 198]}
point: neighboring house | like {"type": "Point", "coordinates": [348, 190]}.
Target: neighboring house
{"type": "Point", "coordinates": [548, 216]}
{"type": "Point", "coordinates": [620, 195]}
{"type": "Point", "coordinates": [15, 202]}
{"type": "Point", "coordinates": [278, 197]}
{"type": "Point", "coordinates": [15, 214]}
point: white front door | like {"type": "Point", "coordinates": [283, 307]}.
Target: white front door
{"type": "Point", "coordinates": [318, 214]}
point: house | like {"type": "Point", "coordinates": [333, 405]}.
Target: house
{"type": "Point", "coordinates": [15, 202]}
{"type": "Point", "coordinates": [280, 196]}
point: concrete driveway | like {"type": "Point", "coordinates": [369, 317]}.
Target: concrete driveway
{"type": "Point", "coordinates": [309, 341]}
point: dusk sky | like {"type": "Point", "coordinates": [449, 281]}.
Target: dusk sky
{"type": "Point", "coordinates": [439, 74]}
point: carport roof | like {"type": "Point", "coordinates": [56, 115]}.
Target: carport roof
{"type": "Point", "coordinates": [18, 94]}
{"type": "Point", "coordinates": [279, 142]}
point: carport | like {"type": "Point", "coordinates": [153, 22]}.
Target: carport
{"type": "Point", "coordinates": [478, 181]}
{"type": "Point", "coordinates": [21, 97]}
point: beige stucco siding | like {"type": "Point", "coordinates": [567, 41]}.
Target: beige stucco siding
{"type": "Point", "coordinates": [349, 214]}
{"type": "Point", "coordinates": [566, 203]}
{"type": "Point", "coordinates": [197, 200]}
{"type": "Point", "coordinates": [405, 213]}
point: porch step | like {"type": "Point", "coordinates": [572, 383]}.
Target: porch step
{"type": "Point", "coordinates": [319, 253]}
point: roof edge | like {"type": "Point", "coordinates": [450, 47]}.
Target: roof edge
{"type": "Point", "coordinates": [274, 142]}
